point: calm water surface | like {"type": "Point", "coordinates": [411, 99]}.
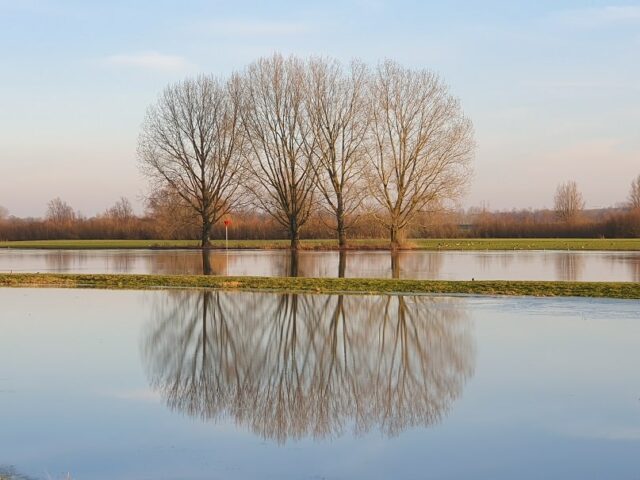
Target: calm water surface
{"type": "Point", "coordinates": [487, 265]}
{"type": "Point", "coordinates": [214, 385]}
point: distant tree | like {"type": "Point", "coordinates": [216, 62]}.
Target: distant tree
{"type": "Point", "coordinates": [282, 149]}
{"type": "Point", "coordinates": [568, 201]}
{"type": "Point", "coordinates": [634, 194]}
{"type": "Point", "coordinates": [421, 147]}
{"type": "Point", "coordinates": [121, 217]}
{"type": "Point", "coordinates": [4, 213]}
{"type": "Point", "coordinates": [121, 211]}
{"type": "Point", "coordinates": [190, 144]}
{"type": "Point", "coordinates": [338, 106]}
{"type": "Point", "coordinates": [172, 216]}
{"type": "Point", "coordinates": [60, 212]}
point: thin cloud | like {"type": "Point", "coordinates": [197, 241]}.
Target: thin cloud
{"type": "Point", "coordinates": [256, 28]}
{"type": "Point", "coordinates": [147, 61]}
{"type": "Point", "coordinates": [596, 17]}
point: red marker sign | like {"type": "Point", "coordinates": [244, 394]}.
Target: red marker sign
{"type": "Point", "coordinates": [227, 222]}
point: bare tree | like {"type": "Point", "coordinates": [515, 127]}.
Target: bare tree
{"type": "Point", "coordinates": [280, 140]}
{"type": "Point", "coordinates": [191, 144]}
{"type": "Point", "coordinates": [121, 211]}
{"type": "Point", "coordinates": [568, 201]}
{"type": "Point", "coordinates": [60, 212]}
{"type": "Point", "coordinates": [634, 194]}
{"type": "Point", "coordinates": [172, 216]}
{"type": "Point", "coordinates": [421, 146]}
{"type": "Point", "coordinates": [337, 106]}
{"type": "Point", "coordinates": [121, 216]}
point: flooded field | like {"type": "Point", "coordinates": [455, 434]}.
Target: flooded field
{"type": "Point", "coordinates": [218, 385]}
{"type": "Point", "coordinates": [481, 265]}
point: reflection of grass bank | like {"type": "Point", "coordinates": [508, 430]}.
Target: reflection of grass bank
{"type": "Point", "coordinates": [327, 285]}
{"type": "Point", "coordinates": [367, 244]}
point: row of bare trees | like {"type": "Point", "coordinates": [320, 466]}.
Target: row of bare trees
{"type": "Point", "coordinates": [62, 221]}
{"type": "Point", "coordinates": [290, 136]}
{"type": "Point", "coordinates": [165, 218]}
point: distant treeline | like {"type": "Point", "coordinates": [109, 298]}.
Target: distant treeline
{"type": "Point", "coordinates": [245, 226]}
{"type": "Point", "coordinates": [605, 223]}
{"type": "Point", "coordinates": [163, 222]}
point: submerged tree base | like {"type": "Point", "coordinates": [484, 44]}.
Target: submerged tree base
{"type": "Point", "coordinates": [628, 290]}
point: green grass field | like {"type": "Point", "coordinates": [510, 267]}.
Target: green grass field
{"type": "Point", "coordinates": [413, 244]}
{"type": "Point", "coordinates": [628, 290]}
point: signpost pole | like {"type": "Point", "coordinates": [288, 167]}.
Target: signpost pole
{"type": "Point", "coordinates": [227, 222]}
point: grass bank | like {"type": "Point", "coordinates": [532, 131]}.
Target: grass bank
{"type": "Point", "coordinates": [434, 244]}
{"type": "Point", "coordinates": [629, 290]}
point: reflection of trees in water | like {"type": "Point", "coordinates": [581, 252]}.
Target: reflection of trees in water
{"type": "Point", "coordinates": [622, 260]}
{"type": "Point", "coordinates": [634, 265]}
{"type": "Point", "coordinates": [63, 261]}
{"type": "Point", "coordinates": [569, 266]}
{"type": "Point", "coordinates": [219, 262]}
{"type": "Point", "coordinates": [196, 262]}
{"type": "Point", "coordinates": [487, 260]}
{"type": "Point", "coordinates": [122, 262]}
{"type": "Point", "coordinates": [114, 262]}
{"type": "Point", "coordinates": [182, 262]}
{"type": "Point", "coordinates": [424, 264]}
{"type": "Point", "coordinates": [290, 366]}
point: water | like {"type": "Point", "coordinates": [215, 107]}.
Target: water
{"type": "Point", "coordinates": [222, 385]}
{"type": "Point", "coordinates": [485, 265]}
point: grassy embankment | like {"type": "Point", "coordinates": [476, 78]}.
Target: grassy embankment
{"type": "Point", "coordinates": [369, 244]}
{"type": "Point", "coordinates": [629, 290]}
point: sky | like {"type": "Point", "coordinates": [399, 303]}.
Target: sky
{"type": "Point", "coordinates": [552, 87]}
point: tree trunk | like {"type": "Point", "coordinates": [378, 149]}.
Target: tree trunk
{"type": "Point", "coordinates": [205, 238]}
{"type": "Point", "coordinates": [395, 265]}
{"type": "Point", "coordinates": [342, 233]}
{"type": "Point", "coordinates": [294, 234]}
{"type": "Point", "coordinates": [206, 262]}
{"type": "Point", "coordinates": [395, 237]}
{"type": "Point", "coordinates": [342, 264]}
{"type": "Point", "coordinates": [293, 265]}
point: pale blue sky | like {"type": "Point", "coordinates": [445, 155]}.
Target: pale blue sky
{"type": "Point", "coordinates": [553, 87]}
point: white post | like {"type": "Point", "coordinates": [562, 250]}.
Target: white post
{"type": "Point", "coordinates": [226, 243]}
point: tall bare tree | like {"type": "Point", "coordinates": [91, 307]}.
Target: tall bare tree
{"type": "Point", "coordinates": [568, 201]}
{"type": "Point", "coordinates": [421, 145]}
{"type": "Point", "coordinates": [634, 194]}
{"type": "Point", "coordinates": [337, 106]}
{"type": "Point", "coordinates": [281, 145]}
{"type": "Point", "coordinates": [191, 144]}
{"type": "Point", "coordinates": [60, 212]}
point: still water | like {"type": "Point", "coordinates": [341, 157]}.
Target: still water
{"type": "Point", "coordinates": [485, 265]}
{"type": "Point", "coordinates": [215, 385]}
